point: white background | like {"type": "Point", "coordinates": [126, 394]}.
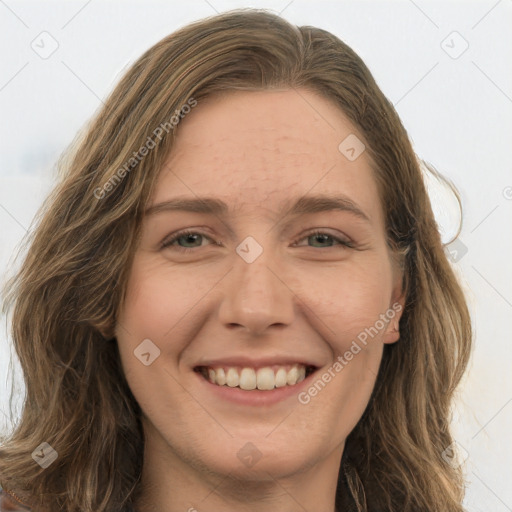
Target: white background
{"type": "Point", "coordinates": [457, 111]}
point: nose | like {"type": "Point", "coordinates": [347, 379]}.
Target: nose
{"type": "Point", "coordinates": [257, 296]}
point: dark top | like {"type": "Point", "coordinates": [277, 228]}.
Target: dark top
{"type": "Point", "coordinates": [9, 502]}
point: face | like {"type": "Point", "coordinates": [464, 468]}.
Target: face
{"type": "Point", "coordinates": [252, 286]}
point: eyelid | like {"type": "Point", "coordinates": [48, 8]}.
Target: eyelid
{"type": "Point", "coordinates": [178, 234]}
{"type": "Point", "coordinates": [342, 240]}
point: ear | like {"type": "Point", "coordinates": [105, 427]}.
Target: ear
{"type": "Point", "coordinates": [394, 313]}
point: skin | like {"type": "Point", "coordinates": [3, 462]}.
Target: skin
{"type": "Point", "coordinates": [256, 151]}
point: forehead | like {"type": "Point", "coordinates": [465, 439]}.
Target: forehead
{"type": "Point", "coordinates": [258, 149]}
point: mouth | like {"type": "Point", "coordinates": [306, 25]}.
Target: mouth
{"type": "Point", "coordinates": [249, 379]}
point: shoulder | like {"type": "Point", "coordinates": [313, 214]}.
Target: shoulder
{"type": "Point", "coordinates": [9, 503]}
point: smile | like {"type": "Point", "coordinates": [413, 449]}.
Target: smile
{"type": "Point", "coordinates": [264, 379]}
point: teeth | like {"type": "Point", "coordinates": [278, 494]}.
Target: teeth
{"type": "Point", "coordinates": [264, 379]}
{"type": "Point", "coordinates": [281, 379]}
{"type": "Point", "coordinates": [219, 376]}
{"type": "Point", "coordinates": [292, 376]}
{"type": "Point", "coordinates": [232, 378]}
{"type": "Point", "coordinates": [247, 379]}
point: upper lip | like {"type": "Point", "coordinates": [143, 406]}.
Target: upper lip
{"type": "Point", "coordinates": [247, 362]}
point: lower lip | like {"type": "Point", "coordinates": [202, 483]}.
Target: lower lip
{"type": "Point", "coordinates": [254, 397]}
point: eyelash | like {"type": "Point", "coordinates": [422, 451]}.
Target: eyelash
{"type": "Point", "coordinates": [175, 237]}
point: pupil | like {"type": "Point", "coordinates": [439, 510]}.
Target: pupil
{"type": "Point", "coordinates": [321, 238]}
{"type": "Point", "coordinates": [190, 238]}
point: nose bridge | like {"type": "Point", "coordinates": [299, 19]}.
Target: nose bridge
{"type": "Point", "coordinates": [256, 296]}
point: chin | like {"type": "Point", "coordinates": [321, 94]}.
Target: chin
{"type": "Point", "coordinates": [258, 459]}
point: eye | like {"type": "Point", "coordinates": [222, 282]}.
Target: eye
{"type": "Point", "coordinates": [194, 238]}
{"type": "Point", "coordinates": [189, 237]}
{"type": "Point", "coordinates": [323, 237]}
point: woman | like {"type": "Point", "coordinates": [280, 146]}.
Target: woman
{"type": "Point", "coordinates": [301, 354]}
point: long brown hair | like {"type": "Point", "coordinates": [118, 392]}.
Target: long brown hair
{"type": "Point", "coordinates": [72, 280]}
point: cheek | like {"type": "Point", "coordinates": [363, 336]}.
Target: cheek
{"type": "Point", "coordinates": [159, 305]}
{"type": "Point", "coordinates": [159, 301]}
{"type": "Point", "coordinates": [165, 303]}
{"type": "Point", "coordinates": [156, 306]}
{"type": "Point", "coordinates": [347, 311]}
{"type": "Point", "coordinates": [348, 299]}
{"type": "Point", "coordinates": [337, 397]}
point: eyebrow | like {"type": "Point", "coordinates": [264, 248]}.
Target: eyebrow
{"type": "Point", "coordinates": [303, 205]}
